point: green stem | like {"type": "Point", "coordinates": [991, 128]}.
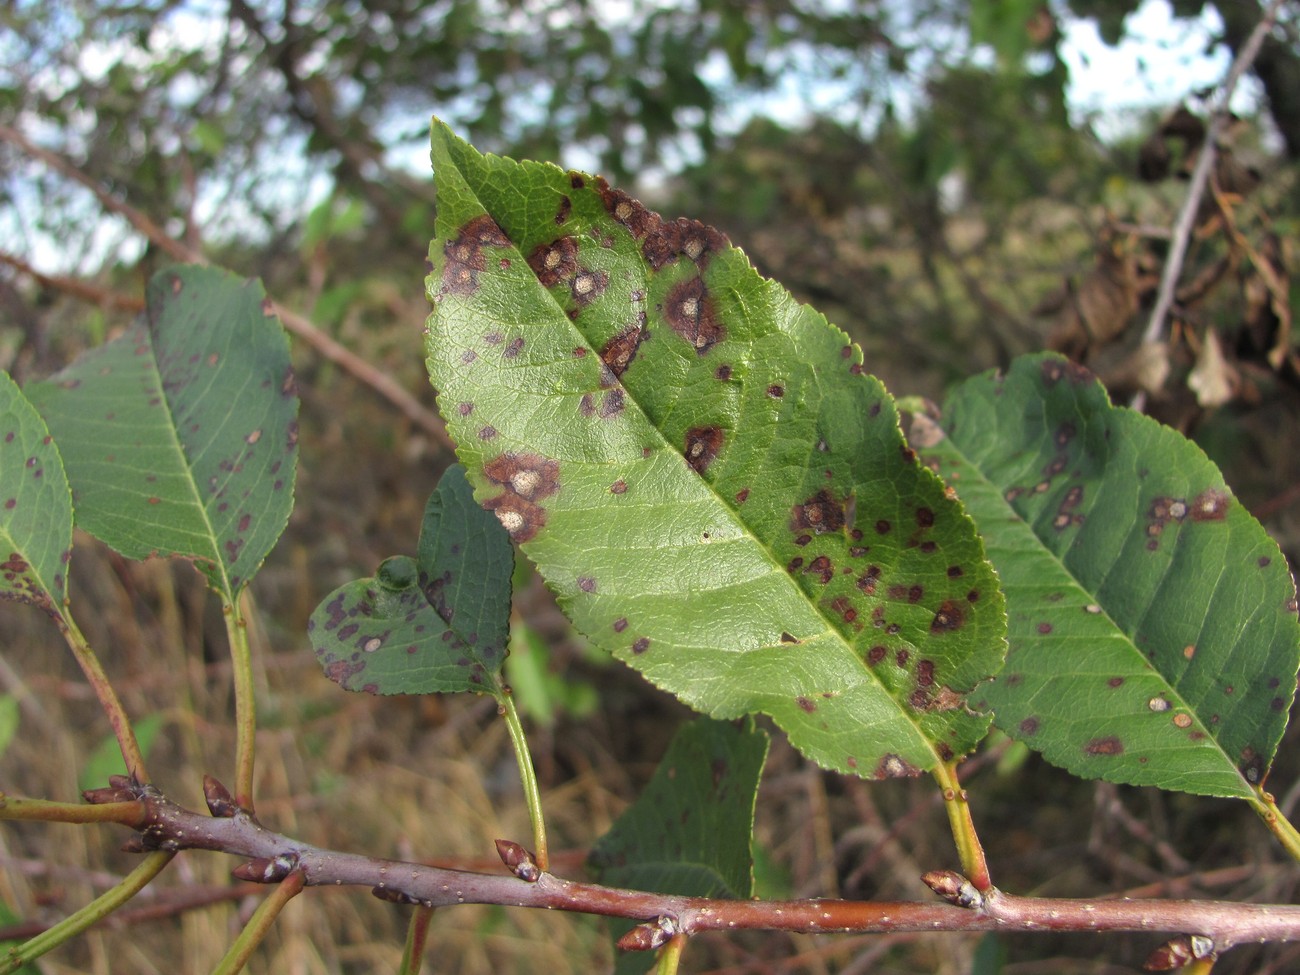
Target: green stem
{"type": "Point", "coordinates": [241, 658]}
{"type": "Point", "coordinates": [527, 775]}
{"type": "Point", "coordinates": [1263, 803]}
{"type": "Point", "coordinates": [416, 932]}
{"type": "Point", "coordinates": [92, 913]}
{"type": "Point", "coordinates": [108, 699]}
{"type": "Point", "coordinates": [969, 849]}
{"type": "Point", "coordinates": [259, 925]}
{"type": "Point", "coordinates": [131, 813]}
{"type": "Point", "coordinates": [670, 955]}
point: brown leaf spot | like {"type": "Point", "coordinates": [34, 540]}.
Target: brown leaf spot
{"type": "Point", "coordinates": [620, 350]}
{"type": "Point", "coordinates": [520, 517]}
{"type": "Point", "coordinates": [876, 654]}
{"type": "Point", "coordinates": [562, 214]}
{"type": "Point", "coordinates": [689, 310]}
{"type": "Point", "coordinates": [820, 513]}
{"type": "Point", "coordinates": [742, 495]}
{"type": "Point", "coordinates": [528, 475]}
{"type": "Point", "coordinates": [1044, 628]}
{"type": "Point", "coordinates": [925, 672]}
{"type": "Point", "coordinates": [1210, 505]}
{"type": "Point", "coordinates": [702, 447]}
{"type": "Point", "coordinates": [867, 581]}
{"type": "Point", "coordinates": [588, 285]}
{"type": "Point", "coordinates": [776, 391]}
{"type": "Point", "coordinates": [641, 645]}
{"type": "Point", "coordinates": [845, 608]}
{"type": "Point", "coordinates": [950, 616]}
{"type": "Point", "coordinates": [555, 262]}
{"type": "Point", "coordinates": [633, 215]}
{"type": "Point", "coordinates": [618, 487]}
{"type": "Point", "coordinates": [822, 568]}
{"type": "Point", "coordinates": [465, 258]}
{"type": "Point", "coordinates": [805, 705]}
{"type": "Point", "coordinates": [1029, 726]}
{"type": "Point", "coordinates": [1110, 745]}
{"type": "Point", "coordinates": [620, 624]}
{"type": "Point", "coordinates": [893, 767]}
{"type": "Point", "coordinates": [883, 527]}
{"type": "Point", "coordinates": [586, 583]}
{"type": "Point", "coordinates": [611, 405]}
{"type": "Point", "coordinates": [587, 405]}
{"type": "Point", "coordinates": [671, 238]}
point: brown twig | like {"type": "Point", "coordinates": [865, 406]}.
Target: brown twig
{"type": "Point", "coordinates": [270, 857]}
{"type": "Point", "coordinates": [1201, 175]}
{"type": "Point", "coordinates": [410, 407]}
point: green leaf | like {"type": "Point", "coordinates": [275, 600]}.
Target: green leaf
{"type": "Point", "coordinates": [106, 759]}
{"type": "Point", "coordinates": [8, 721]}
{"type": "Point", "coordinates": [35, 506]}
{"type": "Point", "coordinates": [437, 623]}
{"type": "Point", "coordinates": [691, 831]}
{"type": "Point", "coordinates": [1153, 629]}
{"type": "Point", "coordinates": [701, 469]}
{"type": "Point", "coordinates": [180, 436]}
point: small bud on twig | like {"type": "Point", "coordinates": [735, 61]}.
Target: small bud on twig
{"type": "Point", "coordinates": [267, 870]}
{"type": "Point", "coordinates": [954, 888]}
{"type": "Point", "coordinates": [220, 802]}
{"type": "Point", "coordinates": [520, 861]}
{"type": "Point", "coordinates": [650, 935]}
{"type": "Point", "coordinates": [133, 844]}
{"type": "Point", "coordinates": [398, 896]}
{"type": "Point", "coordinates": [1178, 952]}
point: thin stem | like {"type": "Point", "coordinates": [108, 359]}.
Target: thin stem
{"type": "Point", "coordinates": [259, 925]}
{"type": "Point", "coordinates": [416, 933]}
{"type": "Point", "coordinates": [108, 699]}
{"type": "Point", "coordinates": [528, 776]}
{"type": "Point", "coordinates": [1264, 804]}
{"type": "Point", "coordinates": [92, 913]}
{"type": "Point", "coordinates": [670, 955]}
{"type": "Point", "coordinates": [131, 813]}
{"type": "Point", "coordinates": [969, 848]}
{"type": "Point", "coordinates": [241, 658]}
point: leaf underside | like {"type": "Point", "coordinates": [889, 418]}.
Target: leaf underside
{"type": "Point", "coordinates": [436, 623]}
{"type": "Point", "coordinates": [690, 831]}
{"type": "Point", "coordinates": [180, 436]}
{"type": "Point", "coordinates": [701, 469]}
{"type": "Point", "coordinates": [1152, 622]}
{"type": "Point", "coordinates": [35, 506]}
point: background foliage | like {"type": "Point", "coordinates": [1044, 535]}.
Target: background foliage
{"type": "Point", "coordinates": [912, 169]}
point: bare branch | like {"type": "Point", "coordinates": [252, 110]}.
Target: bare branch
{"type": "Point", "coordinates": [269, 857]}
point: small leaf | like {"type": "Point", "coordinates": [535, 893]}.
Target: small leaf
{"type": "Point", "coordinates": [35, 506]}
{"type": "Point", "coordinates": [701, 468]}
{"type": "Point", "coordinates": [180, 436]}
{"type": "Point", "coordinates": [691, 831]}
{"type": "Point", "coordinates": [1153, 628]}
{"type": "Point", "coordinates": [438, 623]}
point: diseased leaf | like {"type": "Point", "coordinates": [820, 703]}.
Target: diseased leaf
{"type": "Point", "coordinates": [1153, 628]}
{"type": "Point", "coordinates": [437, 623]}
{"type": "Point", "coordinates": [701, 468]}
{"type": "Point", "coordinates": [691, 831]}
{"type": "Point", "coordinates": [35, 506]}
{"type": "Point", "coordinates": [180, 436]}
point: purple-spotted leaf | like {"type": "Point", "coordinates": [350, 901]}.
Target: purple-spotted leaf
{"type": "Point", "coordinates": [691, 831]}
{"type": "Point", "coordinates": [180, 436]}
{"type": "Point", "coordinates": [701, 468]}
{"type": "Point", "coordinates": [35, 506]}
{"type": "Point", "coordinates": [1152, 622]}
{"type": "Point", "coordinates": [435, 623]}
